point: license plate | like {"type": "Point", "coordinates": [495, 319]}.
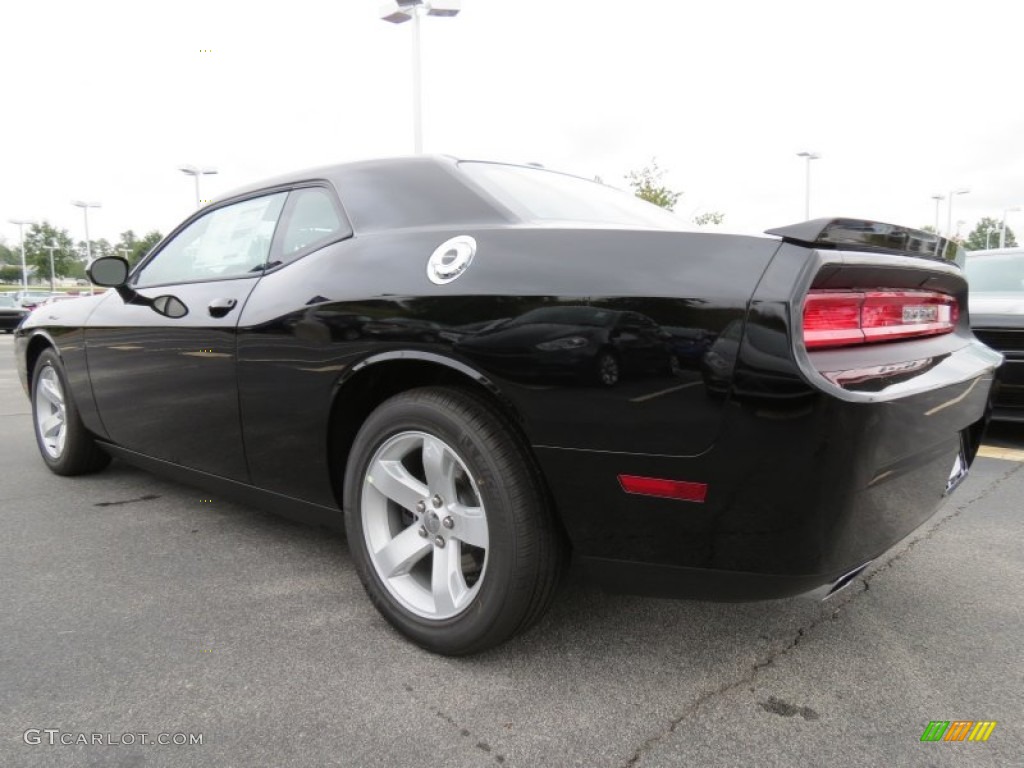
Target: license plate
{"type": "Point", "coordinates": [957, 473]}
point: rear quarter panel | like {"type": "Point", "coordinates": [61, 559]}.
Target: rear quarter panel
{"type": "Point", "coordinates": [306, 325]}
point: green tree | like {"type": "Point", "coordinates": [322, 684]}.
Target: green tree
{"type": "Point", "coordinates": [97, 248]}
{"type": "Point", "coordinates": [9, 273]}
{"type": "Point", "coordinates": [37, 238]}
{"type": "Point", "coordinates": [647, 185]}
{"type": "Point", "coordinates": [711, 217]}
{"type": "Point", "coordinates": [133, 249]}
{"type": "Point", "coordinates": [986, 235]}
{"type": "Point", "coordinates": [144, 246]}
{"type": "Point", "coordinates": [76, 269]}
{"type": "Point", "coordinates": [126, 245]}
{"type": "Point", "coordinates": [8, 255]}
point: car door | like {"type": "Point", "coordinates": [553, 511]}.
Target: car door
{"type": "Point", "coordinates": [636, 342]}
{"type": "Point", "coordinates": [167, 387]}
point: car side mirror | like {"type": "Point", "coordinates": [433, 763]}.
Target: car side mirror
{"type": "Point", "coordinates": [112, 272]}
{"type": "Point", "coordinates": [169, 306]}
{"type": "Point", "coordinates": [108, 271]}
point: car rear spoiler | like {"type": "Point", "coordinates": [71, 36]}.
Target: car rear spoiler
{"type": "Point", "coordinates": [862, 235]}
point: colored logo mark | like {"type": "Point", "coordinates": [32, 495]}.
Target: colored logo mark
{"type": "Point", "coordinates": [958, 730]}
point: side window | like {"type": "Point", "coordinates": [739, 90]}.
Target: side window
{"type": "Point", "coordinates": [312, 220]}
{"type": "Point", "coordinates": [228, 242]}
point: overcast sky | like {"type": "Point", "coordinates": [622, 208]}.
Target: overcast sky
{"type": "Point", "coordinates": [103, 100]}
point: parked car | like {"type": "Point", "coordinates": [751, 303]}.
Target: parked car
{"type": "Point", "coordinates": [53, 298]}
{"type": "Point", "coordinates": [590, 344]}
{"type": "Point", "coordinates": [31, 299]}
{"type": "Point", "coordinates": [464, 480]}
{"type": "Point", "coordinates": [11, 313]}
{"type": "Point", "coordinates": [996, 278]}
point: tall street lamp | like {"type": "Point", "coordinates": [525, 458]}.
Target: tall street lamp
{"type": "Point", "coordinates": [191, 170]}
{"type": "Point", "coordinates": [399, 12]}
{"type": "Point", "coordinates": [21, 230]}
{"type": "Point", "coordinates": [1002, 228]}
{"type": "Point", "coordinates": [949, 208]}
{"type": "Point", "coordinates": [51, 248]}
{"type": "Point", "coordinates": [808, 156]}
{"type": "Point", "coordinates": [938, 199]}
{"type": "Point", "coordinates": [85, 210]}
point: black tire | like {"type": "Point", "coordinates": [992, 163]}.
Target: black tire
{"type": "Point", "coordinates": [525, 551]}
{"type": "Point", "coordinates": [80, 454]}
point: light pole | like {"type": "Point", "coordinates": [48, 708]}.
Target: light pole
{"type": "Point", "coordinates": [399, 12]}
{"type": "Point", "coordinates": [85, 210]}
{"type": "Point", "coordinates": [949, 208]}
{"type": "Point", "coordinates": [191, 170]}
{"type": "Point", "coordinates": [1002, 228]}
{"type": "Point", "coordinates": [988, 236]}
{"type": "Point", "coordinates": [21, 231]}
{"type": "Point", "coordinates": [51, 248]}
{"type": "Point", "coordinates": [808, 156]}
{"type": "Point", "coordinates": [938, 199]}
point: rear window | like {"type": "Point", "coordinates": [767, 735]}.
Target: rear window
{"type": "Point", "coordinates": [539, 194]}
{"type": "Point", "coordinates": [996, 274]}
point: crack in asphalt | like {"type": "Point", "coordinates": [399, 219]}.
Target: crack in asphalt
{"type": "Point", "coordinates": [465, 733]}
{"type": "Point", "coordinates": [147, 497]}
{"type": "Point", "coordinates": [838, 604]}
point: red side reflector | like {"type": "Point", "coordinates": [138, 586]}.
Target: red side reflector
{"type": "Point", "coordinates": [840, 318]}
{"type": "Point", "coordinates": [665, 489]}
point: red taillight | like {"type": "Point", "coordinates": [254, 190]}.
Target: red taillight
{"type": "Point", "coordinates": [840, 318]}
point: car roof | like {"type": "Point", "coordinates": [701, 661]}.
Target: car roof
{"type": "Point", "coordinates": [398, 192]}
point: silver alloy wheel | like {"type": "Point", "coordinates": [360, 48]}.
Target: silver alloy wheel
{"type": "Point", "coordinates": [424, 525]}
{"type": "Point", "coordinates": [51, 420]}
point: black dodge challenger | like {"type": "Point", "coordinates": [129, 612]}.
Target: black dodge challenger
{"type": "Point", "coordinates": [384, 346]}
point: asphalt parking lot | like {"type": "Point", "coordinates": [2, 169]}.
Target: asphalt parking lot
{"type": "Point", "coordinates": [134, 605]}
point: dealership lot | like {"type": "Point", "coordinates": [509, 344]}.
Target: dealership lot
{"type": "Point", "coordinates": [135, 605]}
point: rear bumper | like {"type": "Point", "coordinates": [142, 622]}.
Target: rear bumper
{"type": "Point", "coordinates": [800, 490]}
{"type": "Point", "coordinates": [676, 582]}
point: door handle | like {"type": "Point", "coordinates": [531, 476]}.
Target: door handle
{"type": "Point", "coordinates": [220, 307]}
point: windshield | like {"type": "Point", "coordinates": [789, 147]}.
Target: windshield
{"type": "Point", "coordinates": [996, 274]}
{"type": "Point", "coordinates": [538, 194]}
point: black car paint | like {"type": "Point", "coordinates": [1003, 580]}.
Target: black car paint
{"type": "Point", "coordinates": [11, 314]}
{"type": "Point", "coordinates": [806, 478]}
